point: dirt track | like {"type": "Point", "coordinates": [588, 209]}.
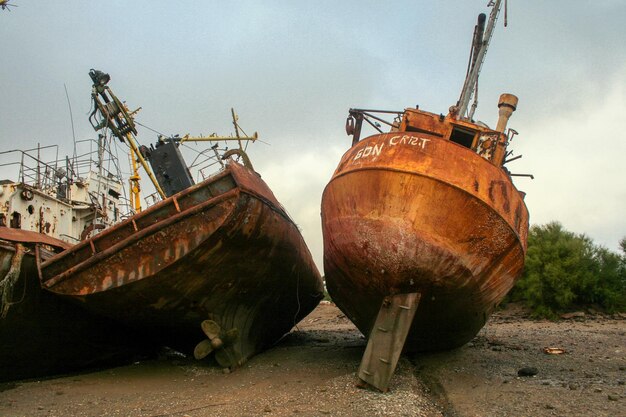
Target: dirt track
{"type": "Point", "coordinates": [311, 372]}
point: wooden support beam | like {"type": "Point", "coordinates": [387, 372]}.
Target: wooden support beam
{"type": "Point", "coordinates": [387, 338]}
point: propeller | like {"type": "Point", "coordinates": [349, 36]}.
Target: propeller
{"type": "Point", "coordinates": [219, 341]}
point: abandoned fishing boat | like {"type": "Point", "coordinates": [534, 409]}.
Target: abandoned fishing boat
{"type": "Point", "coordinates": [43, 213]}
{"type": "Point", "coordinates": [216, 266]}
{"type": "Point", "coordinates": [424, 231]}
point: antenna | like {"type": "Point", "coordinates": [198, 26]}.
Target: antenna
{"type": "Point", "coordinates": [69, 105]}
{"type": "Point", "coordinates": [4, 4]}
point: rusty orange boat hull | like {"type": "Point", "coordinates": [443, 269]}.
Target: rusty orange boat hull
{"type": "Point", "coordinates": [223, 250]}
{"type": "Point", "coordinates": [412, 212]}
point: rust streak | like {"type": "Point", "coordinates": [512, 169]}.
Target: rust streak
{"type": "Point", "coordinates": [128, 241]}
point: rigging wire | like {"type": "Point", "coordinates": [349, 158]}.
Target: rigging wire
{"type": "Point", "coordinates": [149, 128]}
{"type": "Point", "coordinates": [69, 105]}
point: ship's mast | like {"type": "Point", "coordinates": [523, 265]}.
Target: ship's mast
{"type": "Point", "coordinates": [479, 48]}
{"type": "Point", "coordinates": [216, 138]}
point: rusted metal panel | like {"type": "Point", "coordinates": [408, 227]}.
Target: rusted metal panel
{"type": "Point", "coordinates": [231, 255]}
{"type": "Point", "coordinates": [26, 236]}
{"type": "Point", "coordinates": [413, 212]}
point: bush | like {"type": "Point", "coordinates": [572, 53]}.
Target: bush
{"type": "Point", "coordinates": [565, 271]}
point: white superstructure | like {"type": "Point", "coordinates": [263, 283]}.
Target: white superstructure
{"type": "Point", "coordinates": [45, 199]}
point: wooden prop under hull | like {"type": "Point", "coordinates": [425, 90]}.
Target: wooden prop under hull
{"type": "Point", "coordinates": [413, 213]}
{"type": "Point", "coordinates": [40, 333]}
{"type": "Point", "coordinates": [223, 250]}
{"type": "Point", "coordinates": [387, 338]}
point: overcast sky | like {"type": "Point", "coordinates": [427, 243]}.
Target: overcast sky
{"type": "Point", "coordinates": [292, 69]}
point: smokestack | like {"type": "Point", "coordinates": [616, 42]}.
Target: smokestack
{"type": "Point", "coordinates": [507, 105]}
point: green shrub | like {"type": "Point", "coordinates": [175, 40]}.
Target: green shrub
{"type": "Point", "coordinates": [566, 271]}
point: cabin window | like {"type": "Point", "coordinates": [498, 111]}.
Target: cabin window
{"type": "Point", "coordinates": [114, 194]}
{"type": "Point", "coordinates": [463, 137]}
{"type": "Point", "coordinates": [16, 220]}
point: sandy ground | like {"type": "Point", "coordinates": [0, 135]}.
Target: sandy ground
{"type": "Point", "coordinates": [311, 372]}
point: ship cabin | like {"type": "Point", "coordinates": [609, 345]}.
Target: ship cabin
{"type": "Point", "coordinates": [488, 143]}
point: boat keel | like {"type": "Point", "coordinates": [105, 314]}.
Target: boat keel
{"type": "Point", "coordinates": [386, 340]}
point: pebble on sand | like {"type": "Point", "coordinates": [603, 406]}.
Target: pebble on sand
{"type": "Point", "coordinates": [527, 371]}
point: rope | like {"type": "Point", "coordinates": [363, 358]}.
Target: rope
{"type": "Point", "coordinates": [10, 279]}
{"type": "Point", "coordinates": [295, 316]}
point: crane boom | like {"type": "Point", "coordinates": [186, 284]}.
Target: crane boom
{"type": "Point", "coordinates": [471, 80]}
{"type": "Point", "coordinates": [117, 118]}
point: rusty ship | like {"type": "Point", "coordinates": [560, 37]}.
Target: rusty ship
{"type": "Point", "coordinates": [215, 267]}
{"type": "Point", "coordinates": [424, 230]}
{"type": "Point", "coordinates": [44, 211]}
